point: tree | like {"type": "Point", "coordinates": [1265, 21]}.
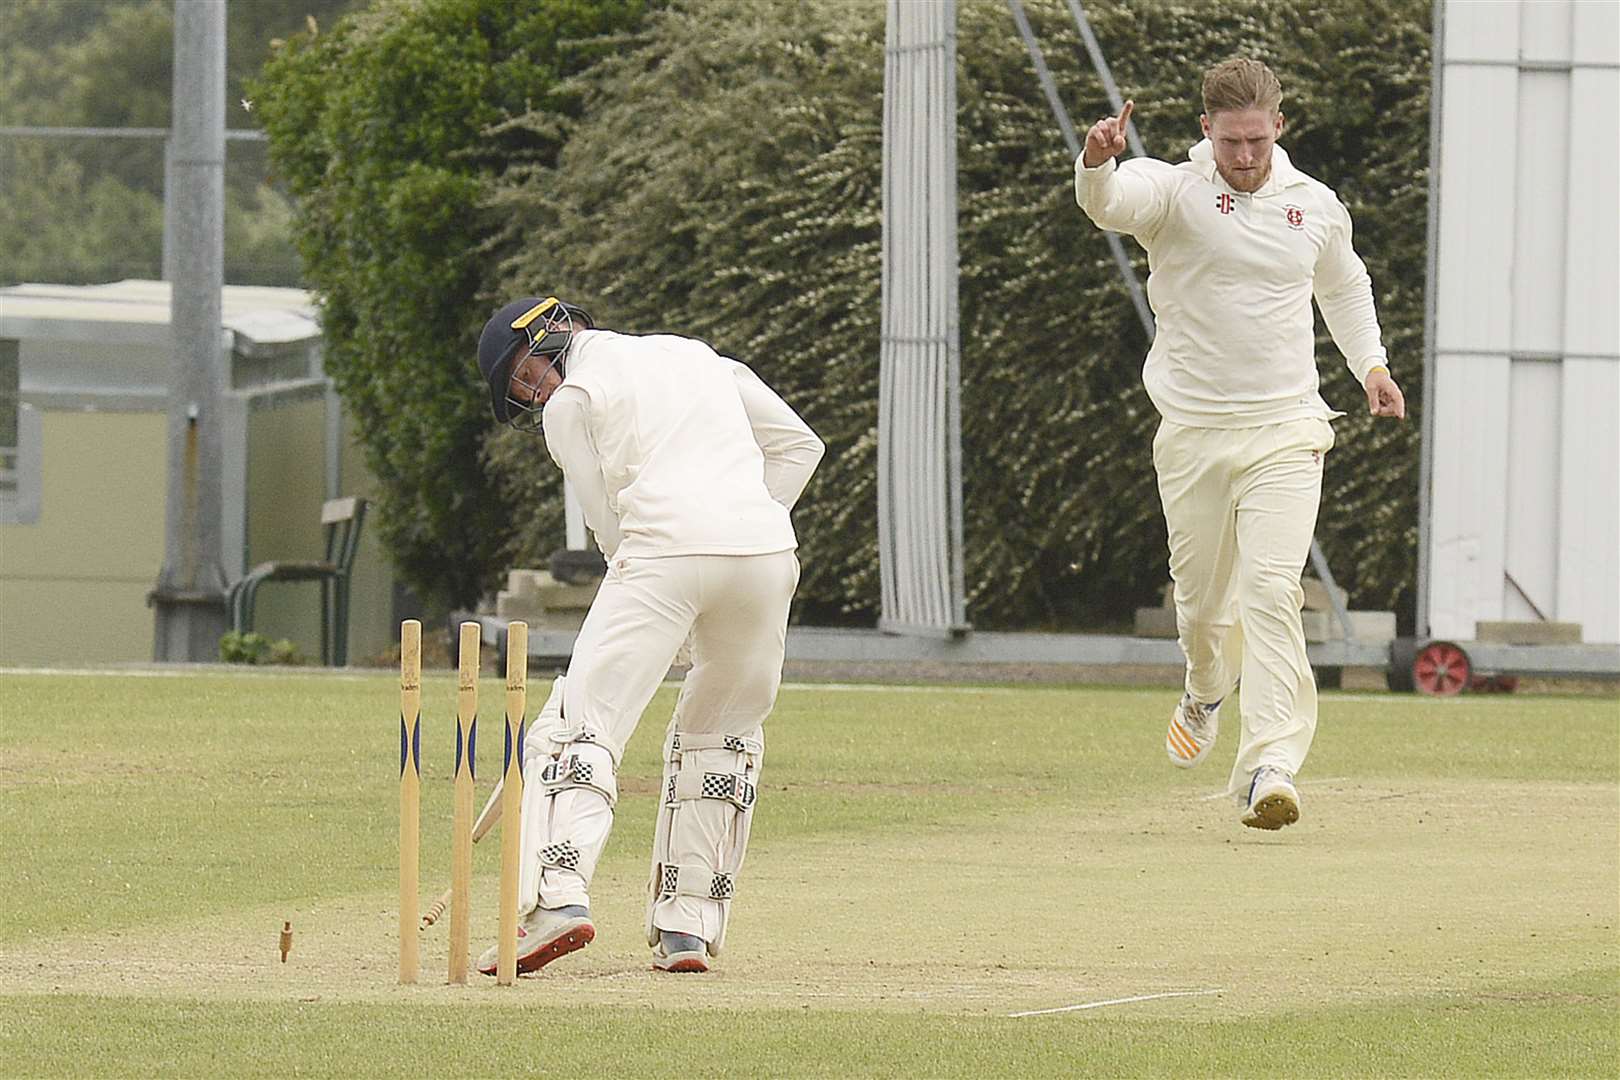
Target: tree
{"type": "Point", "coordinates": [90, 208]}
{"type": "Point", "coordinates": [390, 128]}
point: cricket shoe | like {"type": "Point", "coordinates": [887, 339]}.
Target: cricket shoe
{"type": "Point", "coordinates": [677, 952]}
{"type": "Point", "coordinates": [1273, 802]}
{"type": "Point", "coordinates": [543, 935]}
{"type": "Point", "coordinates": [1192, 731]}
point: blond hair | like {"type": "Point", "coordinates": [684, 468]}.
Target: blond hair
{"type": "Point", "coordinates": [1241, 83]}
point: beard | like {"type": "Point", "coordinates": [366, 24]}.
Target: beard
{"type": "Point", "coordinates": [1247, 182]}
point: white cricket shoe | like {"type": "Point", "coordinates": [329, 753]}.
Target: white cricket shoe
{"type": "Point", "coordinates": [1273, 802]}
{"type": "Point", "coordinates": [1192, 731]}
{"type": "Point", "coordinates": [677, 952]}
{"type": "Point", "coordinates": [543, 935]}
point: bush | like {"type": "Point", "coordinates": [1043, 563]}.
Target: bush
{"type": "Point", "coordinates": [728, 186]}
{"type": "Point", "coordinates": [237, 647]}
{"type": "Point", "coordinates": [249, 647]}
{"type": "Point", "coordinates": [388, 130]}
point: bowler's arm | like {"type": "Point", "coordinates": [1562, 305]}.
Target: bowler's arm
{"type": "Point", "coordinates": [1343, 291]}
{"type": "Point", "coordinates": [1133, 198]}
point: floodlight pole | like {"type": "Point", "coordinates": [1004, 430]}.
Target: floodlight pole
{"type": "Point", "coordinates": [189, 596]}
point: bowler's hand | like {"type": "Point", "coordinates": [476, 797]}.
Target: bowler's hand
{"type": "Point", "coordinates": [1106, 138]}
{"type": "Point", "coordinates": [1384, 398]}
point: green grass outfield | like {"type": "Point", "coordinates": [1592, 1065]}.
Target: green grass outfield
{"type": "Point", "coordinates": [926, 863]}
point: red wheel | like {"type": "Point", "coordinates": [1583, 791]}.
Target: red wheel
{"type": "Point", "coordinates": [1441, 669]}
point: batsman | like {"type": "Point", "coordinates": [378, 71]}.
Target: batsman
{"type": "Point", "coordinates": [686, 466]}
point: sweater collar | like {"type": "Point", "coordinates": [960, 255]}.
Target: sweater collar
{"type": "Point", "coordinates": [1283, 173]}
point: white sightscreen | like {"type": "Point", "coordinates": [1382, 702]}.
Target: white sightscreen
{"type": "Point", "coordinates": [1524, 396]}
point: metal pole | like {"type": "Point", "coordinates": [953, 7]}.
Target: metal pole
{"type": "Point", "coordinates": [1105, 73]}
{"type": "Point", "coordinates": [189, 595]}
{"type": "Point", "coordinates": [1320, 563]}
{"type": "Point", "coordinates": [170, 187]}
{"type": "Point", "coordinates": [1126, 272]}
{"type": "Point", "coordinates": [950, 259]}
{"type": "Point", "coordinates": [1437, 52]}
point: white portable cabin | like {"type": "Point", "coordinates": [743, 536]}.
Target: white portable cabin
{"type": "Point", "coordinates": [1522, 477]}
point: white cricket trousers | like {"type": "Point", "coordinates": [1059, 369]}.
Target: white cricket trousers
{"type": "Point", "coordinates": [735, 607]}
{"type": "Point", "coordinates": [1241, 508]}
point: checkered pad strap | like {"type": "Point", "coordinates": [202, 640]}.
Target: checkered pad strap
{"type": "Point", "coordinates": [740, 744]}
{"type": "Point", "coordinates": [564, 855]}
{"type": "Point", "coordinates": [697, 881]}
{"type": "Point", "coordinates": [575, 770]}
{"type": "Point", "coordinates": [696, 784]}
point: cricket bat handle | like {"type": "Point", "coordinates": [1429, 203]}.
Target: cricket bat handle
{"type": "Point", "coordinates": [486, 821]}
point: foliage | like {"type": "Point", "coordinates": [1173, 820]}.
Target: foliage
{"type": "Point", "coordinates": [388, 130]}
{"type": "Point", "coordinates": [728, 185]}
{"type": "Point", "coordinates": [87, 209]}
{"type": "Point", "coordinates": [115, 231]}
{"type": "Point", "coordinates": [113, 227]}
{"type": "Point", "coordinates": [250, 647]}
{"type": "Point", "coordinates": [107, 64]}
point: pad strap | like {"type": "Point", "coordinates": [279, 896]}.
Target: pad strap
{"type": "Point", "coordinates": [697, 881]}
{"type": "Point", "coordinates": [576, 734]}
{"type": "Point", "coordinates": [684, 740]}
{"type": "Point", "coordinates": [697, 784]}
{"type": "Point", "coordinates": [577, 769]}
{"type": "Point", "coordinates": [562, 856]}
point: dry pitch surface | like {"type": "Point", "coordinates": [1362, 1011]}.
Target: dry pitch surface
{"type": "Point", "coordinates": [1150, 896]}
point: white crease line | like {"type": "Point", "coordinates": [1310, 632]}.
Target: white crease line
{"type": "Point", "coordinates": [1117, 1001]}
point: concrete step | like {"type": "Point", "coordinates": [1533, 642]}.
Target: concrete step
{"type": "Point", "coordinates": [1528, 633]}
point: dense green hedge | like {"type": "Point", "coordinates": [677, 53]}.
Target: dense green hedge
{"type": "Point", "coordinates": [387, 129]}
{"type": "Point", "coordinates": [727, 184]}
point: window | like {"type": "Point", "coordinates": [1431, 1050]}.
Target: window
{"type": "Point", "coordinates": [10, 416]}
{"type": "Point", "coordinates": [20, 439]}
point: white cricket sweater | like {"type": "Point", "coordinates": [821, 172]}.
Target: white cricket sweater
{"type": "Point", "coordinates": [673, 449]}
{"type": "Point", "coordinates": [1230, 281]}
